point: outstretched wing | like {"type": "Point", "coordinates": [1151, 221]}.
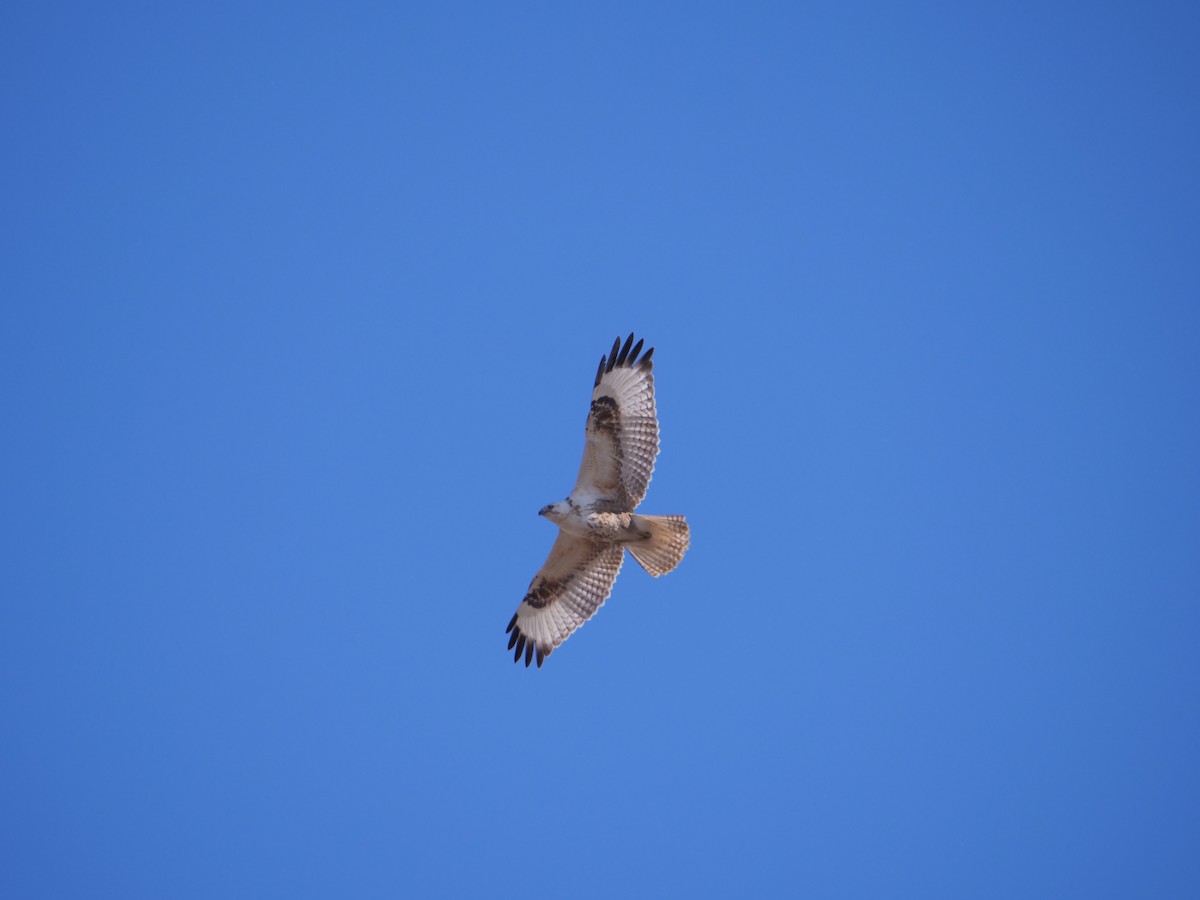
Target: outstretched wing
{"type": "Point", "coordinates": [573, 583]}
{"type": "Point", "coordinates": [622, 431]}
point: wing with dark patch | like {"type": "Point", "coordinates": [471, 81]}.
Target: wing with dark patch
{"type": "Point", "coordinates": [622, 430]}
{"type": "Point", "coordinates": [573, 583]}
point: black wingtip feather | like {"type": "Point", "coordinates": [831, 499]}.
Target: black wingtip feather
{"type": "Point", "coordinates": [541, 654]}
{"type": "Point", "coordinates": [511, 623]}
{"type": "Point", "coordinates": [520, 648]}
{"type": "Point", "coordinates": [624, 354]}
{"type": "Point", "coordinates": [529, 653]}
{"type": "Point", "coordinates": [512, 640]}
{"type": "Point", "coordinates": [612, 356]}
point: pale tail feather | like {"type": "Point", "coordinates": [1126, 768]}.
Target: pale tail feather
{"type": "Point", "coordinates": [669, 539]}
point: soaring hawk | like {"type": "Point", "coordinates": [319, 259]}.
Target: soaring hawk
{"type": "Point", "coordinates": [597, 522]}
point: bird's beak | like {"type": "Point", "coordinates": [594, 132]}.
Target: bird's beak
{"type": "Point", "coordinates": [543, 510]}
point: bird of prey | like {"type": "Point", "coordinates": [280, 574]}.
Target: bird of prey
{"type": "Point", "coordinates": [596, 521]}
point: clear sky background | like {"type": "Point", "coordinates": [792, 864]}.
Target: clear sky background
{"type": "Point", "coordinates": [301, 306]}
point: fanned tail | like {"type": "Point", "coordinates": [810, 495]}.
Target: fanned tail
{"type": "Point", "coordinates": [668, 541]}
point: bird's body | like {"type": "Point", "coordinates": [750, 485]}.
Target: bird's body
{"type": "Point", "coordinates": [597, 521]}
{"type": "Point", "coordinates": [586, 521]}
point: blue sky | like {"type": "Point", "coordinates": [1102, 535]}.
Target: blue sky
{"type": "Point", "coordinates": [301, 308]}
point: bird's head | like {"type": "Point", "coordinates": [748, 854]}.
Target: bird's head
{"type": "Point", "coordinates": [555, 512]}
